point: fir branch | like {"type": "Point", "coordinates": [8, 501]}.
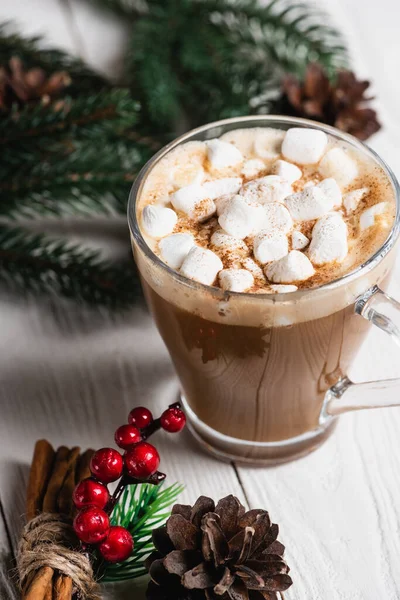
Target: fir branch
{"type": "Point", "coordinates": [36, 263]}
{"type": "Point", "coordinates": [125, 8]}
{"type": "Point", "coordinates": [106, 113]}
{"type": "Point", "coordinates": [141, 509]}
{"type": "Point", "coordinates": [84, 79]}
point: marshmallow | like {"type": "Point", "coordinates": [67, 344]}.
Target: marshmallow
{"type": "Point", "coordinates": [158, 221]}
{"type": "Point", "coordinates": [304, 146]}
{"type": "Point", "coordinates": [270, 246]}
{"type": "Point", "coordinates": [222, 240]}
{"type": "Point", "coordinates": [332, 190]}
{"type": "Point", "coordinates": [299, 240]}
{"type": "Point", "coordinates": [352, 199]}
{"type": "Point", "coordinates": [283, 289]}
{"type": "Point", "coordinates": [338, 164]}
{"type": "Point", "coordinates": [287, 171]}
{"type": "Point", "coordinates": [222, 154]}
{"type": "Point", "coordinates": [235, 280]}
{"type": "Point", "coordinates": [367, 218]}
{"type": "Point", "coordinates": [222, 202]}
{"type": "Point", "coordinates": [174, 248]}
{"type": "Point", "coordinates": [267, 143]}
{"type": "Point", "coordinates": [201, 265]}
{"type": "Point", "coordinates": [250, 265]}
{"type": "Point", "coordinates": [194, 200]}
{"type": "Point", "coordinates": [221, 187]}
{"type": "Point", "coordinates": [253, 167]}
{"type": "Point", "coordinates": [309, 204]}
{"type": "Point", "coordinates": [278, 218]}
{"type": "Point", "coordinates": [240, 219]}
{"type": "Point", "coordinates": [329, 240]}
{"type": "Point", "coordinates": [293, 267]}
{"type": "Point", "coordinates": [266, 189]}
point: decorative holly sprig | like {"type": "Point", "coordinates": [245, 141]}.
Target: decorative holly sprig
{"type": "Point", "coordinates": [139, 464]}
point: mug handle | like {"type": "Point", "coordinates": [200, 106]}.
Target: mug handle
{"type": "Point", "coordinates": [345, 396]}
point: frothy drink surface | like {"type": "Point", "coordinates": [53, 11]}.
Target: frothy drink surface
{"type": "Point", "coordinates": [266, 214]}
{"type": "Point", "coordinates": [262, 211]}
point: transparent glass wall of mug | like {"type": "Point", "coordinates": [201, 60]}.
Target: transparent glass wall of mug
{"type": "Point", "coordinates": [254, 368]}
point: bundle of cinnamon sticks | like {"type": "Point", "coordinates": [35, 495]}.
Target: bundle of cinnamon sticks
{"type": "Point", "coordinates": [53, 477]}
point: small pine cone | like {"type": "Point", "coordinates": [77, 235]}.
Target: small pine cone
{"type": "Point", "coordinates": [21, 87]}
{"type": "Point", "coordinates": [222, 552]}
{"type": "Point", "coordinates": [341, 104]}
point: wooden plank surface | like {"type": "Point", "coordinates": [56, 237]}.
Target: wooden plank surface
{"type": "Point", "coordinates": [71, 376]}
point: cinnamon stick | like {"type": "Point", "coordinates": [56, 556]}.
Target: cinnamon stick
{"type": "Point", "coordinates": [39, 475]}
{"type": "Point", "coordinates": [49, 592]}
{"type": "Point", "coordinates": [38, 588]}
{"type": "Point", "coordinates": [64, 498]}
{"type": "Point", "coordinates": [83, 470]}
{"type": "Point", "coordinates": [56, 479]}
{"type": "Point", "coordinates": [62, 588]}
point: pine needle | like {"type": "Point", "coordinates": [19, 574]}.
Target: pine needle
{"type": "Point", "coordinates": [141, 509]}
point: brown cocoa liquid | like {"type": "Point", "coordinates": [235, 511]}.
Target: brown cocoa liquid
{"type": "Point", "coordinates": [255, 383]}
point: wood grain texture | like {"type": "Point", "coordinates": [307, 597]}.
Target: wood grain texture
{"type": "Point", "coordinates": [72, 376]}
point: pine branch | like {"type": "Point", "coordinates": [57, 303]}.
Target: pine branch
{"type": "Point", "coordinates": [84, 80]}
{"type": "Point", "coordinates": [141, 509]}
{"type": "Point", "coordinates": [36, 263]}
{"type": "Point", "coordinates": [125, 8]}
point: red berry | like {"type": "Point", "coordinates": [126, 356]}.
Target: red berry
{"type": "Point", "coordinates": [142, 460]}
{"type": "Point", "coordinates": [106, 465]}
{"type": "Point", "coordinates": [90, 493]}
{"type": "Point", "coordinates": [173, 420]}
{"type": "Point", "coordinates": [140, 417]}
{"type": "Point", "coordinates": [91, 525]}
{"type": "Point", "coordinates": [117, 546]}
{"type": "Point", "coordinates": [126, 436]}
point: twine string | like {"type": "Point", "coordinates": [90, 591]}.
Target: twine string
{"type": "Point", "coordinates": [49, 540]}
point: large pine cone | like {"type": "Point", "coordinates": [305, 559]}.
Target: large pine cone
{"type": "Point", "coordinates": [209, 552]}
{"type": "Point", "coordinates": [341, 104]}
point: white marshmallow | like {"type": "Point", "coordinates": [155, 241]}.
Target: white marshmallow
{"type": "Point", "coordinates": [266, 189]}
{"type": "Point", "coordinates": [201, 265]}
{"type": "Point", "coordinates": [367, 218]}
{"type": "Point", "coordinates": [332, 190]}
{"type": "Point", "coordinates": [339, 164]}
{"type": "Point", "coordinates": [283, 289]}
{"type": "Point", "coordinates": [250, 265]}
{"type": "Point", "coordinates": [269, 246]}
{"type": "Point", "coordinates": [267, 143]}
{"type": "Point", "coordinates": [240, 219]}
{"type": "Point", "coordinates": [252, 167]}
{"type": "Point", "coordinates": [309, 204]}
{"type": "Point", "coordinates": [293, 267]}
{"type": "Point", "coordinates": [287, 171]}
{"type": "Point", "coordinates": [158, 221]}
{"type": "Point", "coordinates": [329, 240]}
{"type": "Point", "coordinates": [222, 202]}
{"type": "Point", "coordinates": [299, 240]}
{"type": "Point", "coordinates": [220, 187]}
{"type": "Point", "coordinates": [278, 218]}
{"type": "Point", "coordinates": [174, 248]}
{"type": "Point", "coordinates": [222, 154]}
{"type": "Point", "coordinates": [222, 240]}
{"type": "Point", "coordinates": [352, 199]}
{"type": "Point", "coordinates": [235, 280]}
{"type": "Point", "coordinates": [304, 146]}
{"type": "Point", "coordinates": [194, 201]}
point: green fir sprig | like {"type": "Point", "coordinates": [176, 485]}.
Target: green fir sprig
{"type": "Point", "coordinates": [141, 509]}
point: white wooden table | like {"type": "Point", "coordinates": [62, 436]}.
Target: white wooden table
{"type": "Point", "coordinates": [71, 375]}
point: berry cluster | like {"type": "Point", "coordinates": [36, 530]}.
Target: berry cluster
{"type": "Point", "coordinates": [138, 464]}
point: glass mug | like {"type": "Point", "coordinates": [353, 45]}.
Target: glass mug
{"type": "Point", "coordinates": [263, 376]}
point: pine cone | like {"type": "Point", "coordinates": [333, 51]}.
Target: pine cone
{"type": "Point", "coordinates": [217, 553]}
{"type": "Point", "coordinates": [341, 104]}
{"type": "Point", "coordinates": [18, 86]}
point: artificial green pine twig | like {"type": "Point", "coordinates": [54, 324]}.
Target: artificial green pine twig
{"type": "Point", "coordinates": [37, 263]}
